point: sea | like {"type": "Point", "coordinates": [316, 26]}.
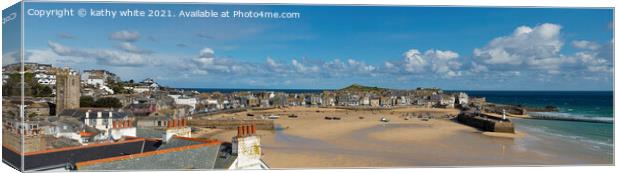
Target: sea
{"type": "Point", "coordinates": [584, 117]}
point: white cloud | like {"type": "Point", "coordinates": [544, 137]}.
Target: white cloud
{"type": "Point", "coordinates": [361, 67]}
{"type": "Point", "coordinates": [414, 62]}
{"type": "Point", "coordinates": [105, 57]}
{"type": "Point", "coordinates": [444, 63]}
{"type": "Point", "coordinates": [60, 49]}
{"type": "Point", "coordinates": [206, 62]}
{"type": "Point", "coordinates": [478, 68]}
{"type": "Point", "coordinates": [302, 68]}
{"type": "Point", "coordinates": [126, 36]}
{"type": "Point", "coordinates": [584, 44]}
{"type": "Point", "coordinates": [272, 63]}
{"type": "Point", "coordinates": [537, 46]}
{"type": "Point", "coordinates": [598, 59]}
{"type": "Point", "coordinates": [131, 48]}
{"type": "Point", "coordinates": [537, 49]}
{"type": "Point", "coordinates": [10, 58]}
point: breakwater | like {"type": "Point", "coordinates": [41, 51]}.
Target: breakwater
{"type": "Point", "coordinates": [486, 122]}
{"type": "Point", "coordinates": [232, 124]}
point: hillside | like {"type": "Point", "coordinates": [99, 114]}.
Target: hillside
{"type": "Point", "coordinates": [361, 88]}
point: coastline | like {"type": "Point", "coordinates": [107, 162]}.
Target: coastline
{"type": "Point", "coordinates": [311, 141]}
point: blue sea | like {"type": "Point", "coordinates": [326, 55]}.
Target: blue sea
{"type": "Point", "coordinates": [591, 114]}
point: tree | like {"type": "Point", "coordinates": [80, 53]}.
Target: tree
{"type": "Point", "coordinates": [108, 102]}
{"type": "Point", "coordinates": [87, 101]}
{"type": "Point", "coordinates": [39, 90]}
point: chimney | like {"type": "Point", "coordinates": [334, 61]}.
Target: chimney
{"type": "Point", "coordinates": [87, 114]}
{"type": "Point", "coordinates": [110, 114]}
{"type": "Point", "coordinates": [113, 124]}
{"type": "Point", "coordinates": [244, 132]}
{"type": "Point", "coordinates": [238, 130]}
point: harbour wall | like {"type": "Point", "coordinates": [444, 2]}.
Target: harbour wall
{"type": "Point", "coordinates": [486, 122]}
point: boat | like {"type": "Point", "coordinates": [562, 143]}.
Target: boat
{"type": "Point", "coordinates": [272, 116]}
{"type": "Point", "coordinates": [383, 119]}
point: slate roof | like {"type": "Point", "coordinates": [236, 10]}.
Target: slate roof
{"type": "Point", "coordinates": [80, 113]}
{"type": "Point", "coordinates": [149, 133]}
{"type": "Point", "coordinates": [225, 158]}
{"type": "Point", "coordinates": [178, 142]}
{"type": "Point", "coordinates": [178, 154]}
{"type": "Point", "coordinates": [59, 158]}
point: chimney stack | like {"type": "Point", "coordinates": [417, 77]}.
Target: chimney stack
{"type": "Point", "coordinates": [246, 130]}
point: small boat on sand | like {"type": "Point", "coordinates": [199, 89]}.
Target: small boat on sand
{"type": "Point", "coordinates": [385, 120]}
{"type": "Point", "coordinates": [272, 116]}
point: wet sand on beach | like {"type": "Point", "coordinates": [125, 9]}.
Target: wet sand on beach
{"type": "Point", "coordinates": [310, 141]}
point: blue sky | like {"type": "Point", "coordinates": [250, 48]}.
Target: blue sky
{"type": "Point", "coordinates": [334, 46]}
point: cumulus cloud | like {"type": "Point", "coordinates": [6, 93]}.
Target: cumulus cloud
{"type": "Point", "coordinates": [302, 68]}
{"type": "Point", "coordinates": [596, 59]}
{"type": "Point", "coordinates": [206, 63]}
{"type": "Point", "coordinates": [276, 68]}
{"type": "Point", "coordinates": [444, 63]}
{"type": "Point", "coordinates": [131, 48]}
{"type": "Point", "coordinates": [535, 46]}
{"type": "Point", "coordinates": [126, 36]}
{"type": "Point", "coordinates": [414, 62]}
{"type": "Point", "coordinates": [105, 57]}
{"type": "Point", "coordinates": [584, 44]}
{"type": "Point", "coordinates": [538, 48]}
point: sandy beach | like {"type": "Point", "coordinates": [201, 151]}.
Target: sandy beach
{"type": "Point", "coordinates": [359, 139]}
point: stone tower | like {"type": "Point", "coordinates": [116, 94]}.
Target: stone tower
{"type": "Point", "coordinates": [67, 90]}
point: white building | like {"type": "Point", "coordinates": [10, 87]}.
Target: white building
{"type": "Point", "coordinates": [114, 125]}
{"type": "Point", "coordinates": [45, 79]}
{"type": "Point", "coordinates": [463, 98]}
{"type": "Point", "coordinates": [95, 81]}
{"type": "Point", "coordinates": [183, 100]}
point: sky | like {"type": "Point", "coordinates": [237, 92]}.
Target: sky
{"type": "Point", "coordinates": [328, 47]}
